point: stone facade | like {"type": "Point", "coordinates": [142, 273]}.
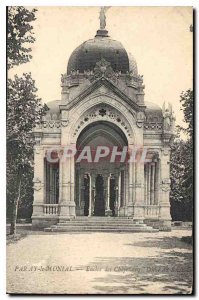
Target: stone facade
{"type": "Point", "coordinates": [103, 106]}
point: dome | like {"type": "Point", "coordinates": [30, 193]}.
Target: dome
{"type": "Point", "coordinates": [150, 106]}
{"type": "Point", "coordinates": [153, 110]}
{"type": "Point", "coordinates": [90, 52]}
{"type": "Point", "coordinates": [133, 65]}
{"type": "Point", "coordinates": [53, 112]}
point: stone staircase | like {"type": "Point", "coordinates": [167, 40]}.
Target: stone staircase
{"type": "Point", "coordinates": [100, 224]}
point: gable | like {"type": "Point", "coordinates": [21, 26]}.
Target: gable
{"type": "Point", "coordinates": [103, 87]}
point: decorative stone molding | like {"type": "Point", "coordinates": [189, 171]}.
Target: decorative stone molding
{"type": "Point", "coordinates": [102, 69]}
{"type": "Point", "coordinates": [64, 123]}
{"type": "Point", "coordinates": [140, 119]}
{"type": "Point", "coordinates": [38, 140]}
{"type": "Point", "coordinates": [166, 152]}
{"type": "Point", "coordinates": [37, 184]}
{"type": "Point", "coordinates": [165, 185]}
{"type": "Point", "coordinates": [103, 113]}
{"type": "Point", "coordinates": [153, 125]}
{"type": "Point", "coordinates": [38, 149]}
{"type": "Point", "coordinates": [64, 114]}
{"type": "Point", "coordinates": [55, 124]}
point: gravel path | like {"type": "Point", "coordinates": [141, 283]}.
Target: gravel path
{"type": "Point", "coordinates": [100, 263]}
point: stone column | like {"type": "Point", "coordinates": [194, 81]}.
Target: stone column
{"type": "Point", "coordinates": [81, 193]}
{"type": "Point", "coordinates": [90, 195]}
{"type": "Point", "coordinates": [148, 183]}
{"type": "Point", "coordinates": [108, 193]}
{"type": "Point", "coordinates": [52, 186]}
{"type": "Point", "coordinates": [92, 192]}
{"type": "Point", "coordinates": [39, 194]}
{"type": "Point", "coordinates": [77, 190]}
{"type": "Point", "coordinates": [131, 193]}
{"type": "Point", "coordinates": [131, 183]}
{"type": "Point", "coordinates": [157, 182]}
{"type": "Point", "coordinates": [152, 183]}
{"type": "Point", "coordinates": [67, 204]}
{"type": "Point", "coordinates": [165, 217]}
{"type": "Point", "coordinates": [126, 212]}
{"type": "Point", "coordinates": [145, 183]}
{"type": "Point", "coordinates": [139, 208]}
{"type": "Point", "coordinates": [108, 211]}
{"type": "Point", "coordinates": [119, 194]}
{"type": "Point", "coordinates": [118, 200]}
{"type": "Point", "coordinates": [60, 181]}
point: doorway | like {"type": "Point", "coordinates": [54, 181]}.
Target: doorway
{"type": "Point", "coordinates": [99, 207]}
{"type": "Point", "coordinates": [112, 195]}
{"type": "Point", "coordinates": [86, 194]}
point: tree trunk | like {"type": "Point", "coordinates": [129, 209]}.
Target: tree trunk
{"type": "Point", "coordinates": [15, 209]}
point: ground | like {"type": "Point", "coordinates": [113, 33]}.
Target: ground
{"type": "Point", "coordinates": [100, 263]}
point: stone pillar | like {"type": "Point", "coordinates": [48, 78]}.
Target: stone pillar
{"type": "Point", "coordinates": [148, 183]}
{"type": "Point", "coordinates": [126, 212]}
{"type": "Point", "coordinates": [81, 193]}
{"type": "Point", "coordinates": [108, 211]}
{"type": "Point", "coordinates": [90, 196]}
{"type": "Point", "coordinates": [108, 192]}
{"type": "Point", "coordinates": [60, 180]}
{"type": "Point", "coordinates": [39, 194]}
{"type": "Point", "coordinates": [139, 208]}
{"type": "Point", "coordinates": [152, 183]}
{"type": "Point", "coordinates": [77, 190]}
{"type": "Point", "coordinates": [131, 193]}
{"type": "Point", "coordinates": [157, 182]}
{"type": "Point", "coordinates": [52, 185]}
{"type": "Point", "coordinates": [165, 217]}
{"type": "Point", "coordinates": [119, 194]}
{"type": "Point", "coordinates": [67, 204]}
{"type": "Point", "coordinates": [92, 192]}
{"type": "Point", "coordinates": [145, 183]}
{"type": "Point", "coordinates": [38, 178]}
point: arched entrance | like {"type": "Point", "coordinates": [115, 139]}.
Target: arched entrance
{"type": "Point", "coordinates": [101, 185]}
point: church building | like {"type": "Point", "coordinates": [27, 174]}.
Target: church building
{"type": "Point", "coordinates": [103, 106]}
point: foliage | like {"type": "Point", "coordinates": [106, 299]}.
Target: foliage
{"type": "Point", "coordinates": [186, 98]}
{"type": "Point", "coordinates": [24, 112]}
{"type": "Point", "coordinates": [19, 35]}
{"type": "Point", "coordinates": [181, 195]}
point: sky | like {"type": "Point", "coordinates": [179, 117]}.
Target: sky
{"type": "Point", "coordinates": [158, 37]}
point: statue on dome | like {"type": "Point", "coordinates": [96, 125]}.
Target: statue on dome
{"type": "Point", "coordinates": [102, 18]}
{"type": "Point", "coordinates": [167, 114]}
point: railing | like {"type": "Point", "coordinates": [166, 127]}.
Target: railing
{"type": "Point", "coordinates": [152, 211]}
{"type": "Point", "coordinates": [51, 209]}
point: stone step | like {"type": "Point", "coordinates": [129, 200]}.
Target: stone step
{"type": "Point", "coordinates": [101, 225]}
{"type": "Point", "coordinates": [99, 221]}
{"type": "Point", "coordinates": [99, 229]}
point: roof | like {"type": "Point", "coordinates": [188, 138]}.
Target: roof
{"type": "Point", "coordinates": [90, 52]}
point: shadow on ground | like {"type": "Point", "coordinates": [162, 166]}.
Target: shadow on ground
{"type": "Point", "coordinates": [170, 272]}
{"type": "Point", "coordinates": [162, 243]}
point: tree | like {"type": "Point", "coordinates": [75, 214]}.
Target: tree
{"type": "Point", "coordinates": [24, 112]}
{"type": "Point", "coordinates": [19, 35]}
{"type": "Point", "coordinates": [182, 164]}
{"type": "Point", "coordinates": [186, 98]}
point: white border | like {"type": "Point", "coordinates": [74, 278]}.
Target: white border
{"type": "Point", "coordinates": [3, 5]}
